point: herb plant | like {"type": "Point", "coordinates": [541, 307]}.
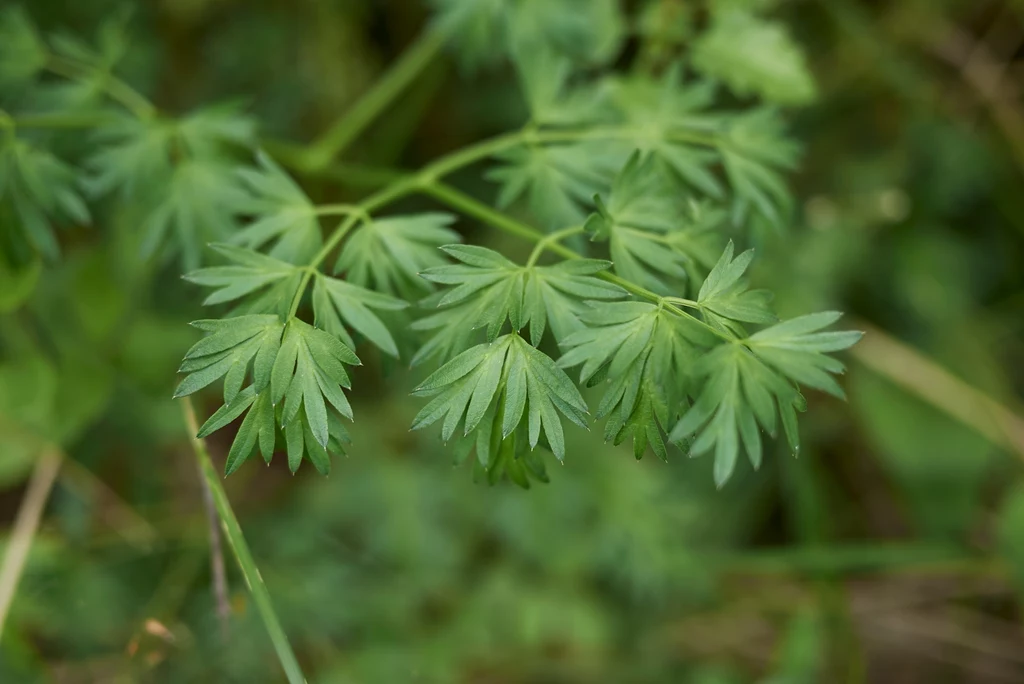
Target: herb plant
{"type": "Point", "coordinates": [633, 183]}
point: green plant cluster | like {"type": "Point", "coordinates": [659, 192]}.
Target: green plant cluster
{"type": "Point", "coordinates": [648, 167]}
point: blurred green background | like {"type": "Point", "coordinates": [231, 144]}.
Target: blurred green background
{"type": "Point", "coordinates": [891, 550]}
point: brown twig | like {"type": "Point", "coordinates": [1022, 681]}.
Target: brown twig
{"type": "Point", "coordinates": [26, 525]}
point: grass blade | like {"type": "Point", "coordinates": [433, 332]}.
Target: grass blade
{"type": "Point", "coordinates": [233, 533]}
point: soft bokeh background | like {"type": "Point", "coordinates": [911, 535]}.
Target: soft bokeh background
{"type": "Point", "coordinates": [891, 550]}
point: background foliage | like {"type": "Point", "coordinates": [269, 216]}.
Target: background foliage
{"type": "Point", "coordinates": [890, 550]}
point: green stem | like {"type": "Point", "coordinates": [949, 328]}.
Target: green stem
{"type": "Point", "coordinates": [251, 573]}
{"type": "Point", "coordinates": [336, 209]}
{"type": "Point", "coordinates": [472, 207]}
{"type": "Point", "coordinates": [549, 240]}
{"type": "Point", "coordinates": [427, 181]}
{"type": "Point", "coordinates": [114, 87]}
{"type": "Point", "coordinates": [683, 302]}
{"type": "Point", "coordinates": [415, 59]}
{"type": "Point", "coordinates": [83, 120]}
{"type": "Point", "coordinates": [360, 212]}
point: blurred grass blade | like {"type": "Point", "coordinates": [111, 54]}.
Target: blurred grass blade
{"type": "Point", "coordinates": [26, 525]}
{"type": "Point", "coordinates": [233, 532]}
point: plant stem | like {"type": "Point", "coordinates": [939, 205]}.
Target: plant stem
{"type": "Point", "coordinates": [359, 212]}
{"type": "Point", "coordinates": [115, 88]}
{"type": "Point", "coordinates": [472, 207]}
{"type": "Point", "coordinates": [549, 240]}
{"type": "Point", "coordinates": [336, 209]}
{"type": "Point", "coordinates": [26, 525]}
{"type": "Point", "coordinates": [217, 573]}
{"type": "Point", "coordinates": [83, 120]}
{"type": "Point", "coordinates": [412, 62]}
{"type": "Point", "coordinates": [233, 532]}
{"type": "Point", "coordinates": [428, 181]}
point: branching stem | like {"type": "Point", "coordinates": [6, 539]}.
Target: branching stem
{"type": "Point", "coordinates": [549, 240]}
{"type": "Point", "coordinates": [395, 80]}
{"type": "Point", "coordinates": [115, 88]}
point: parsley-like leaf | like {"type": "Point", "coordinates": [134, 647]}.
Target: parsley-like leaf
{"type": "Point", "coordinates": [489, 290]}
{"type": "Point", "coordinates": [558, 181]}
{"type": "Point", "coordinates": [533, 388]}
{"type": "Point", "coordinates": [388, 254]}
{"type": "Point", "coordinates": [36, 189]}
{"type": "Point", "coordinates": [337, 304]}
{"type": "Point", "coordinates": [724, 296]}
{"type": "Point", "coordinates": [250, 272]}
{"type": "Point", "coordinates": [645, 353]}
{"type": "Point", "coordinates": [754, 55]}
{"type": "Point", "coordinates": [282, 213]}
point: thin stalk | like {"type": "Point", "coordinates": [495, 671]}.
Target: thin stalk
{"type": "Point", "coordinates": [218, 575]}
{"type": "Point", "coordinates": [115, 88]}
{"type": "Point", "coordinates": [83, 120]}
{"type": "Point", "coordinates": [336, 209]}
{"type": "Point", "coordinates": [473, 207]}
{"type": "Point", "coordinates": [470, 206]}
{"type": "Point", "coordinates": [410, 65]}
{"type": "Point", "coordinates": [428, 182]}
{"type": "Point", "coordinates": [233, 532]}
{"type": "Point", "coordinates": [26, 525]}
{"type": "Point", "coordinates": [682, 301]}
{"type": "Point", "coordinates": [549, 240]}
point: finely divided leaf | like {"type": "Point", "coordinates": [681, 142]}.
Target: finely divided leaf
{"type": "Point", "coordinates": [388, 254]}
{"type": "Point", "coordinates": [250, 271]}
{"type": "Point", "coordinates": [797, 349]}
{"type": "Point", "coordinates": [282, 213]}
{"type": "Point", "coordinates": [724, 297]}
{"type": "Point", "coordinates": [233, 344]}
{"type": "Point", "coordinates": [754, 56]}
{"type": "Point", "coordinates": [337, 304]}
{"type": "Point", "coordinates": [38, 189]}
{"type": "Point", "coordinates": [558, 181]}
{"type": "Point", "coordinates": [525, 381]}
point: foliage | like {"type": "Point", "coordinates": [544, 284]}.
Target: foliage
{"type": "Point", "coordinates": [554, 241]}
{"type": "Point", "coordinates": [651, 154]}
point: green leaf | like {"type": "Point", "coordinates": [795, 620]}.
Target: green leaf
{"type": "Point", "coordinates": [181, 170]}
{"type": "Point", "coordinates": [754, 56]}
{"type": "Point", "coordinates": [645, 355]}
{"type": "Point", "coordinates": [666, 113]}
{"type": "Point", "coordinates": [305, 369]}
{"type": "Point", "coordinates": [388, 254]}
{"type": "Point", "coordinates": [196, 210]}
{"type": "Point", "coordinates": [558, 181]}
{"type": "Point", "coordinates": [233, 344]}
{"type": "Point", "coordinates": [466, 389]}
{"type": "Point", "coordinates": [250, 271]}
{"type": "Point", "coordinates": [489, 290]}
{"type": "Point", "coordinates": [337, 303]}
{"type": "Point", "coordinates": [655, 240]}
{"type": "Point", "coordinates": [754, 150]}
{"type": "Point", "coordinates": [798, 350]}
{"type": "Point", "coordinates": [23, 53]}
{"type": "Point", "coordinates": [482, 31]}
{"type": "Point", "coordinates": [724, 296]}
{"type": "Point", "coordinates": [309, 370]}
{"type": "Point", "coordinates": [544, 76]}
{"type": "Point", "coordinates": [37, 189]}
{"type": "Point", "coordinates": [282, 213]}
{"type": "Point", "coordinates": [739, 398]}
